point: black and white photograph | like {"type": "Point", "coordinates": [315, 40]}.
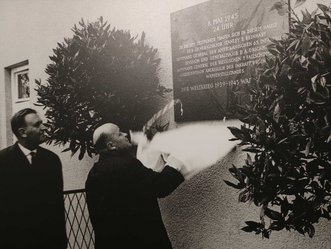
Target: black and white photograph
{"type": "Point", "coordinates": [165, 124]}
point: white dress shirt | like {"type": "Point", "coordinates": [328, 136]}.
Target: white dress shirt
{"type": "Point", "coordinates": [27, 152]}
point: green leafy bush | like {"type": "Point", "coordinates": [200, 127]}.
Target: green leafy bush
{"type": "Point", "coordinates": [99, 75]}
{"type": "Point", "coordinates": [287, 131]}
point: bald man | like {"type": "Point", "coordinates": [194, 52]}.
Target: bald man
{"type": "Point", "coordinates": [122, 195]}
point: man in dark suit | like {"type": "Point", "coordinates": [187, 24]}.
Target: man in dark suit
{"type": "Point", "coordinates": [122, 195]}
{"type": "Point", "coordinates": [31, 189]}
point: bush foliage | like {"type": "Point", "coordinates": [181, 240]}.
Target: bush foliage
{"type": "Point", "coordinates": [99, 75]}
{"type": "Point", "coordinates": [287, 131]}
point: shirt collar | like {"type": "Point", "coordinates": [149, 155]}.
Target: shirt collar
{"type": "Point", "coordinates": [25, 150]}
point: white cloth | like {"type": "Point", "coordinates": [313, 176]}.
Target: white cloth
{"type": "Point", "coordinates": [150, 157]}
{"type": "Point", "coordinates": [197, 146]}
{"type": "Point", "coordinates": [27, 152]}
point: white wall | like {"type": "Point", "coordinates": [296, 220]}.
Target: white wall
{"type": "Point", "coordinates": [203, 212]}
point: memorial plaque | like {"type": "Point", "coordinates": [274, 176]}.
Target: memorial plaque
{"type": "Point", "coordinates": [214, 46]}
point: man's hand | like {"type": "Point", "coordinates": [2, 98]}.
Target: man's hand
{"type": "Point", "coordinates": [175, 163]}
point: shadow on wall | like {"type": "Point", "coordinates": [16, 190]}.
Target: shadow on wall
{"type": "Point", "coordinates": [198, 210]}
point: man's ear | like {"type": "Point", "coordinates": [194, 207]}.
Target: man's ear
{"type": "Point", "coordinates": [111, 146]}
{"type": "Point", "coordinates": [21, 132]}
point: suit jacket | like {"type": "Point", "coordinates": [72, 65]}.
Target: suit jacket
{"type": "Point", "coordinates": [31, 201]}
{"type": "Point", "coordinates": [122, 201]}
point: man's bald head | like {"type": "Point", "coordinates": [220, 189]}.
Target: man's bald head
{"type": "Point", "coordinates": [102, 130]}
{"type": "Point", "coordinates": [110, 134]}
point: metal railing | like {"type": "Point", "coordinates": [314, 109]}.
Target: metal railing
{"type": "Point", "coordinates": [79, 228]}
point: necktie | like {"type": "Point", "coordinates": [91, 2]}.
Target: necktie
{"type": "Point", "coordinates": [33, 157]}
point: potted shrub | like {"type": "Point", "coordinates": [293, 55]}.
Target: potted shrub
{"type": "Point", "coordinates": [287, 131]}
{"type": "Point", "coordinates": [99, 75]}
